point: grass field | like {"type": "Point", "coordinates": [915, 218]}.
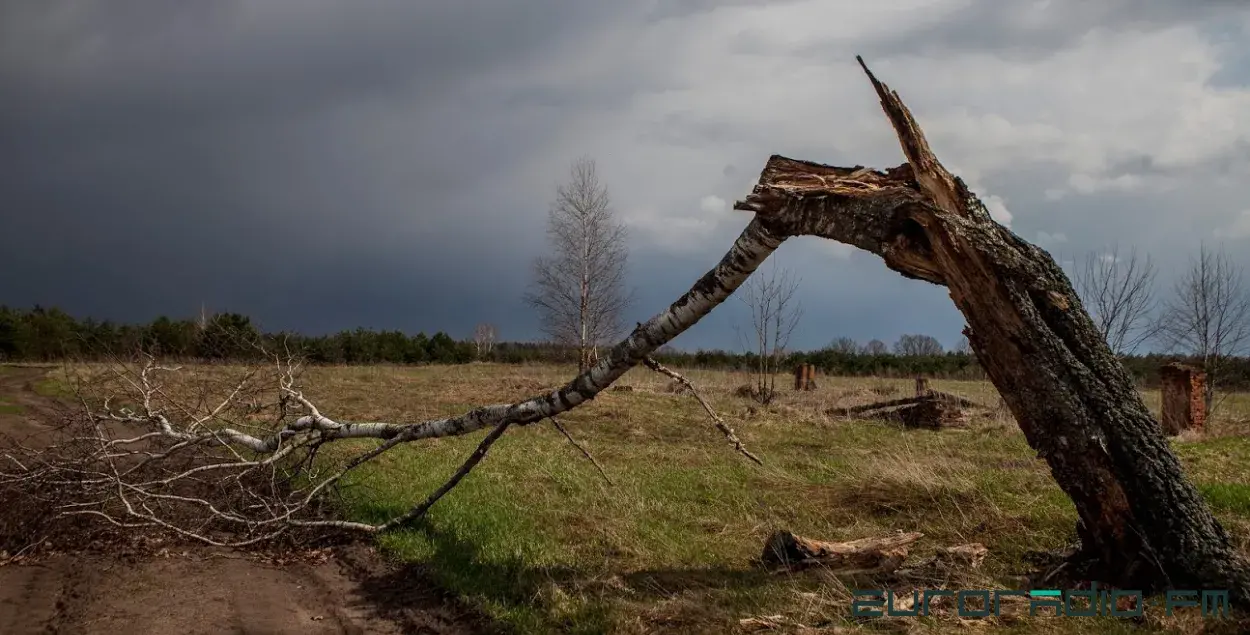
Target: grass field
{"type": "Point", "coordinates": [537, 538]}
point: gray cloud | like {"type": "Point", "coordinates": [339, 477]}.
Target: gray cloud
{"type": "Point", "coordinates": [389, 164]}
{"type": "Point", "coordinates": [282, 163]}
{"type": "Point", "coordinates": [1024, 30]}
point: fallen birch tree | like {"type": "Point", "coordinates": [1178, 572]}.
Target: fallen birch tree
{"type": "Point", "coordinates": [1142, 523]}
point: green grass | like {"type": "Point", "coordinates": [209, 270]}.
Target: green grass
{"type": "Point", "coordinates": [536, 538]}
{"type": "Point", "coordinates": [52, 387]}
{"type": "Point", "coordinates": [7, 407]}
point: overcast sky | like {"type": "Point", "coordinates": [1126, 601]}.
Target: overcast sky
{"type": "Point", "coordinates": [389, 164]}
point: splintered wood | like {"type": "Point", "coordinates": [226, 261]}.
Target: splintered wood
{"type": "Point", "coordinates": [869, 555]}
{"type": "Point", "coordinates": [882, 556]}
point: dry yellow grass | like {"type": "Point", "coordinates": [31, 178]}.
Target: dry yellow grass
{"type": "Point", "coordinates": [536, 537]}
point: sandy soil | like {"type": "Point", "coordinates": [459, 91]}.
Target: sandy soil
{"type": "Point", "coordinates": [190, 589]}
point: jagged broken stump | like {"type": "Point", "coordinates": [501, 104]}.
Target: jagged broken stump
{"type": "Point", "coordinates": [1142, 524]}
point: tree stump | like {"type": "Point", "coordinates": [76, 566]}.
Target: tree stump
{"type": "Point", "coordinates": [1184, 398]}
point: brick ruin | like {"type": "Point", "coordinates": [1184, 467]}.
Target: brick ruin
{"type": "Point", "coordinates": [805, 377]}
{"type": "Point", "coordinates": [1184, 398]}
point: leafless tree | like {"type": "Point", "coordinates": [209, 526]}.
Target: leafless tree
{"type": "Point", "coordinates": [484, 338]}
{"type": "Point", "coordinates": [774, 313]}
{"type": "Point", "coordinates": [1118, 291]}
{"type": "Point", "coordinates": [845, 346]}
{"type": "Point", "coordinates": [964, 347]}
{"type": "Point", "coordinates": [917, 346]}
{"type": "Point", "coordinates": [1208, 314]}
{"type": "Point", "coordinates": [579, 286]}
{"type": "Point", "coordinates": [876, 347]}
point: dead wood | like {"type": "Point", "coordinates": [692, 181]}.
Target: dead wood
{"type": "Point", "coordinates": [866, 556]}
{"type": "Point", "coordinates": [1140, 517]}
{"type": "Point", "coordinates": [932, 411]}
{"type": "Point", "coordinates": [946, 563]}
{"type": "Point", "coordinates": [586, 453]}
{"type": "Point", "coordinates": [717, 420]}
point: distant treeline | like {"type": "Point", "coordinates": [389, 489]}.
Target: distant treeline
{"type": "Point", "coordinates": [49, 335]}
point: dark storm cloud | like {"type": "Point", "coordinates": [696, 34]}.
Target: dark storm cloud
{"type": "Point", "coordinates": [670, 9]}
{"type": "Point", "coordinates": [315, 164]}
{"type": "Point", "coordinates": [1012, 29]}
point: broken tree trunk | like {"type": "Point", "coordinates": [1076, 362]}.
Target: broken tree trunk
{"type": "Point", "coordinates": [1140, 519]}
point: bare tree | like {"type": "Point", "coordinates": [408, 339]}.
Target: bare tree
{"type": "Point", "coordinates": [1208, 314]}
{"type": "Point", "coordinates": [917, 346]}
{"type": "Point", "coordinates": [774, 313]}
{"type": "Point", "coordinates": [484, 338]}
{"type": "Point", "coordinates": [876, 347]}
{"type": "Point", "coordinates": [845, 346]}
{"type": "Point", "coordinates": [963, 347]}
{"type": "Point", "coordinates": [579, 287]}
{"type": "Point", "coordinates": [1119, 294]}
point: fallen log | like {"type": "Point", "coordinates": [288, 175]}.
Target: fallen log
{"type": "Point", "coordinates": [932, 414]}
{"type": "Point", "coordinates": [932, 411]}
{"type": "Point", "coordinates": [882, 405]}
{"type": "Point", "coordinates": [865, 556]}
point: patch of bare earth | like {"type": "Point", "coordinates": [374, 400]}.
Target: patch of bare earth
{"type": "Point", "coordinates": [96, 582]}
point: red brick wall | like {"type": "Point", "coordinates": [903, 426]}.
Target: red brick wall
{"type": "Point", "coordinates": [1184, 399]}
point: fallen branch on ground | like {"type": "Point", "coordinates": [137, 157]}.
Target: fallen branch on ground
{"type": "Point", "coordinates": [881, 405]}
{"type": "Point", "coordinates": [583, 450]}
{"type": "Point", "coordinates": [865, 556]}
{"type": "Point", "coordinates": [716, 419]}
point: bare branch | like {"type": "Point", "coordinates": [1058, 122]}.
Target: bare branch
{"type": "Point", "coordinates": [716, 419]}
{"type": "Point", "coordinates": [774, 314]}
{"type": "Point", "coordinates": [478, 454]}
{"type": "Point", "coordinates": [230, 460]}
{"type": "Point", "coordinates": [583, 450]}
{"type": "Point", "coordinates": [1119, 292]}
{"type": "Point", "coordinates": [1208, 314]}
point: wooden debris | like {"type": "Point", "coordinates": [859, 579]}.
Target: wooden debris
{"type": "Point", "coordinates": [970, 555]}
{"type": "Point", "coordinates": [869, 555]}
{"type": "Point", "coordinates": [933, 410]}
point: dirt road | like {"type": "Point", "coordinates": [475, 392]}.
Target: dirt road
{"type": "Point", "coordinates": [188, 589]}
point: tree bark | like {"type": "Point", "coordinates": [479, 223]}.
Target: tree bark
{"type": "Point", "coordinates": [1139, 516]}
